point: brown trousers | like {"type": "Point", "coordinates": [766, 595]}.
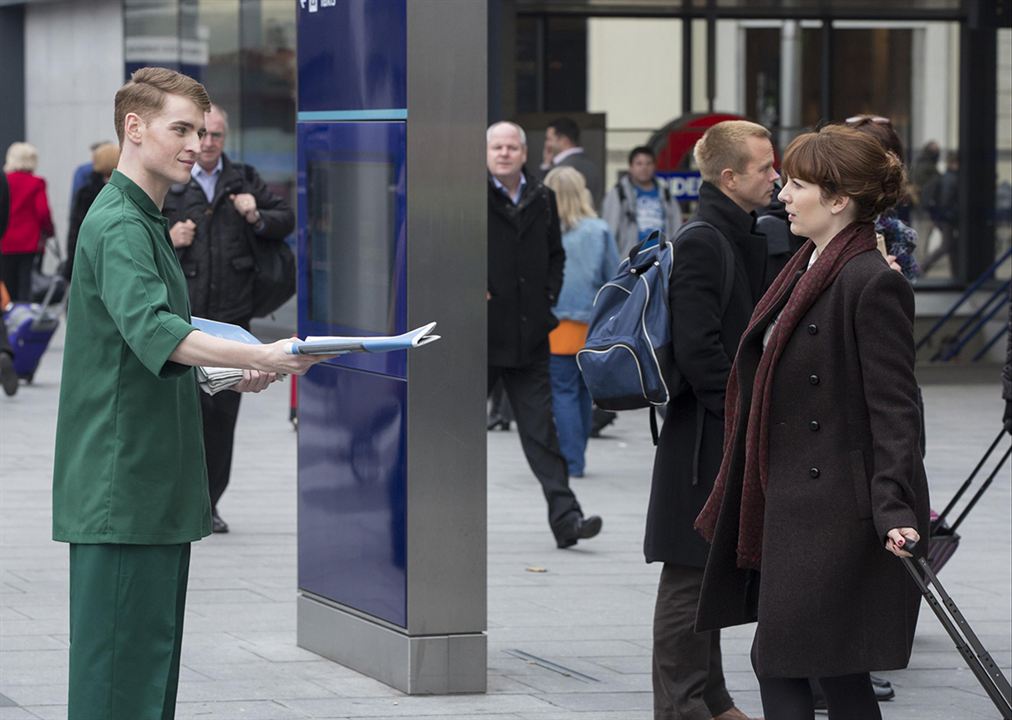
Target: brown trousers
{"type": "Point", "coordinates": [688, 675]}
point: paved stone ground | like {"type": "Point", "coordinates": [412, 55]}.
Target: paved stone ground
{"type": "Point", "coordinates": [587, 617]}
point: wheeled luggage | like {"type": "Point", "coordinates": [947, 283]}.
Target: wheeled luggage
{"type": "Point", "coordinates": [29, 328]}
{"type": "Point", "coordinates": [944, 538]}
{"type": "Point", "coordinates": [990, 676]}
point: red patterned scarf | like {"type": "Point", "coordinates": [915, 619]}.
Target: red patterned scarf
{"type": "Point", "coordinates": [856, 238]}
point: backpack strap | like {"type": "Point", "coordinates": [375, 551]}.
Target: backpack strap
{"type": "Point", "coordinates": [725, 246]}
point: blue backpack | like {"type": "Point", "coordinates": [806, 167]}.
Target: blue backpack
{"type": "Point", "coordinates": [628, 360]}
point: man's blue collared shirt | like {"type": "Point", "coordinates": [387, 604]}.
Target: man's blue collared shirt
{"type": "Point", "coordinates": [515, 199]}
{"type": "Point", "coordinates": [207, 180]}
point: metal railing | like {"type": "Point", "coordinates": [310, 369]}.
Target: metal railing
{"type": "Point", "coordinates": [952, 345]}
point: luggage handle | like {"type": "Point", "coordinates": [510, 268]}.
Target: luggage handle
{"type": "Point", "coordinates": [980, 491]}
{"type": "Point", "coordinates": [966, 483]}
{"type": "Point", "coordinates": [979, 660]}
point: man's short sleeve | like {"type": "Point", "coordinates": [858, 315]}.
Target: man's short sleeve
{"type": "Point", "coordinates": [133, 291]}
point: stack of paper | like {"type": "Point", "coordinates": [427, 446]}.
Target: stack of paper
{"type": "Point", "coordinates": [215, 379]}
{"type": "Point", "coordinates": [342, 344]}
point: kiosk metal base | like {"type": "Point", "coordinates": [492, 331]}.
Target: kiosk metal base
{"type": "Point", "coordinates": [420, 665]}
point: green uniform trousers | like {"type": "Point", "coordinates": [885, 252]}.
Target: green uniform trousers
{"type": "Point", "coordinates": [126, 630]}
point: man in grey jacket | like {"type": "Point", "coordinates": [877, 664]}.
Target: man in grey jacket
{"type": "Point", "coordinates": [640, 203]}
{"type": "Point", "coordinates": [562, 147]}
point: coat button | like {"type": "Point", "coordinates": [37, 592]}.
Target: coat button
{"type": "Point", "coordinates": [523, 280]}
{"type": "Point", "coordinates": [523, 318]}
{"type": "Point", "coordinates": [814, 426]}
{"type": "Point", "coordinates": [813, 379]}
{"type": "Point", "coordinates": [814, 472]}
{"type": "Point", "coordinates": [813, 329]}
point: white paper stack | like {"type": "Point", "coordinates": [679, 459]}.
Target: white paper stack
{"type": "Point", "coordinates": [213, 380]}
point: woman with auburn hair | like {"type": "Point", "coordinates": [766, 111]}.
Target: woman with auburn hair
{"type": "Point", "coordinates": [591, 260]}
{"type": "Point", "coordinates": [821, 482]}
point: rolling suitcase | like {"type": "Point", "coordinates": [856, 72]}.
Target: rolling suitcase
{"type": "Point", "coordinates": [990, 676]}
{"type": "Point", "coordinates": [30, 327]}
{"type": "Point", "coordinates": [944, 538]}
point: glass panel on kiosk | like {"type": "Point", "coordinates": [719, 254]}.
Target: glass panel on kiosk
{"type": "Point", "coordinates": [351, 245]}
{"type": "Point", "coordinates": [352, 212]}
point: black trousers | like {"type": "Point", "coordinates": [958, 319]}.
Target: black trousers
{"type": "Point", "coordinates": [688, 674]}
{"type": "Point", "coordinates": [530, 394]}
{"type": "Point", "coordinates": [16, 273]}
{"type": "Point", "coordinates": [219, 414]}
{"type": "Point", "coordinates": [848, 697]}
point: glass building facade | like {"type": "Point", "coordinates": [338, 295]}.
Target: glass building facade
{"type": "Point", "coordinates": [243, 51]}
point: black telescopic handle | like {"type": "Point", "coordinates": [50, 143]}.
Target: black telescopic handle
{"type": "Point", "coordinates": [976, 656]}
{"type": "Point", "coordinates": [981, 490]}
{"type": "Point", "coordinates": [966, 483]}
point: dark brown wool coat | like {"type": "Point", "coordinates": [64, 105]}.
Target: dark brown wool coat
{"type": "Point", "coordinates": [844, 468]}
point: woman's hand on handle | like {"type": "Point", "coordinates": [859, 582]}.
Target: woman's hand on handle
{"type": "Point", "coordinates": [897, 538]}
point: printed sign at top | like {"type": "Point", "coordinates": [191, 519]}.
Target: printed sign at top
{"type": "Point", "coordinates": [683, 185]}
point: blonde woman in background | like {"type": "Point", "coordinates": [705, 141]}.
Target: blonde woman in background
{"type": "Point", "coordinates": [591, 260]}
{"type": "Point", "coordinates": [104, 159]}
{"type": "Point", "coordinates": [30, 222]}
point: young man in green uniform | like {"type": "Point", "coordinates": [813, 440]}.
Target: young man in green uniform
{"type": "Point", "coordinates": [130, 485]}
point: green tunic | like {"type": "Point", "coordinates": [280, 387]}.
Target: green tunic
{"type": "Point", "coordinates": [129, 462]}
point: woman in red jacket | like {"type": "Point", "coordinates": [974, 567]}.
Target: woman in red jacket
{"type": "Point", "coordinates": [30, 222]}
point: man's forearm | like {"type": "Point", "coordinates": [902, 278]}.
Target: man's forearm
{"type": "Point", "coordinates": [199, 348]}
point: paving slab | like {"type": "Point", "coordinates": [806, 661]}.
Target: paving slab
{"type": "Point", "coordinates": [570, 643]}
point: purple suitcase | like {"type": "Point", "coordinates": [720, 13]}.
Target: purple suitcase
{"type": "Point", "coordinates": [29, 328]}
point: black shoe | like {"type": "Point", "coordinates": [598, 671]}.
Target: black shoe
{"type": "Point", "coordinates": [600, 419]}
{"type": "Point", "coordinates": [8, 375]}
{"type": "Point", "coordinates": [217, 524]}
{"type": "Point", "coordinates": [584, 529]}
{"type": "Point", "coordinates": [498, 424]}
{"type": "Point", "coordinates": [883, 688]}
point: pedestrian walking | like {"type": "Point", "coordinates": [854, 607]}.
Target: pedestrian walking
{"type": "Point", "coordinates": [30, 223]}
{"type": "Point", "coordinates": [525, 262]}
{"type": "Point", "coordinates": [591, 261]}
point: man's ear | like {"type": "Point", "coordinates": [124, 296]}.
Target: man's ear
{"type": "Point", "coordinates": [133, 126]}
{"type": "Point", "coordinates": [727, 181]}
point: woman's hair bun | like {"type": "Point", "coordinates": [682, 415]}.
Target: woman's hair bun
{"type": "Point", "coordinates": [894, 183]}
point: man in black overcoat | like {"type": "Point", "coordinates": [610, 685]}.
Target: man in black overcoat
{"type": "Point", "coordinates": [212, 221]}
{"type": "Point", "coordinates": [525, 262]}
{"type": "Point", "coordinates": [735, 159]}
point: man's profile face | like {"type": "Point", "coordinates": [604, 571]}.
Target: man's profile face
{"type": "Point", "coordinates": [552, 141]}
{"type": "Point", "coordinates": [170, 141]}
{"type": "Point", "coordinates": [754, 186]}
{"type": "Point", "coordinates": [641, 169]}
{"type": "Point", "coordinates": [505, 155]}
{"type": "Point", "coordinates": [213, 143]}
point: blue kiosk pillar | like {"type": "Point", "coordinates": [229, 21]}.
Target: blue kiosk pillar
{"type": "Point", "coordinates": [391, 212]}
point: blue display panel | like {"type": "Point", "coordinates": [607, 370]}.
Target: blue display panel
{"type": "Point", "coordinates": [352, 218]}
{"type": "Point", "coordinates": [352, 55]}
{"type": "Point", "coordinates": [353, 490]}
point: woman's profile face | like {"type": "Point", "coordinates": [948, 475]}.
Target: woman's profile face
{"type": "Point", "coordinates": [807, 211]}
